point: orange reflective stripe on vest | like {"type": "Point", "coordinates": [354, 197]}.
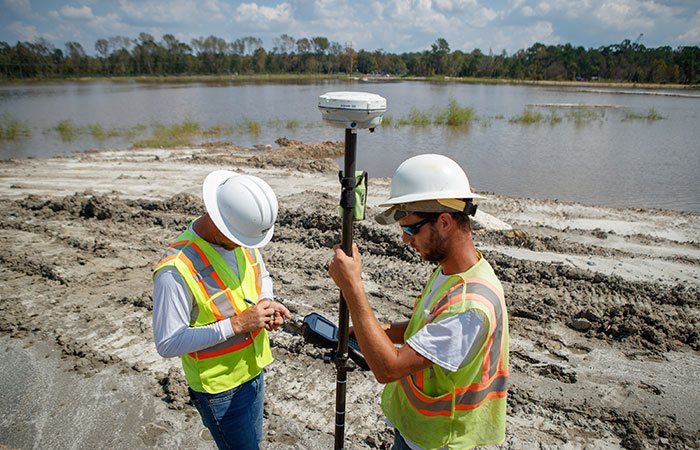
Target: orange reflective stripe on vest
{"type": "Point", "coordinates": [483, 292]}
{"type": "Point", "coordinates": [232, 344]}
{"type": "Point", "coordinates": [494, 374]}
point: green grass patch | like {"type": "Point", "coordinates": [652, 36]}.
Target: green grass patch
{"type": "Point", "coordinates": [292, 124]}
{"type": "Point", "coordinates": [387, 121]}
{"type": "Point", "coordinates": [528, 117]}
{"type": "Point", "coordinates": [66, 129]}
{"type": "Point", "coordinates": [418, 118]}
{"type": "Point", "coordinates": [220, 129]}
{"type": "Point", "coordinates": [652, 114]}
{"type": "Point", "coordinates": [100, 133]}
{"type": "Point", "coordinates": [249, 126]}
{"type": "Point", "coordinates": [137, 130]}
{"type": "Point", "coordinates": [454, 115]}
{"type": "Point", "coordinates": [174, 135]}
{"type": "Point", "coordinates": [12, 128]}
{"type": "Point", "coordinates": [581, 115]}
{"type": "Point", "coordinates": [554, 118]}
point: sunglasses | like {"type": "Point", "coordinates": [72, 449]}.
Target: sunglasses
{"type": "Point", "coordinates": [413, 229]}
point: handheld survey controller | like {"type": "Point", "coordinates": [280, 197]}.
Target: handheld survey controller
{"type": "Point", "coordinates": [321, 332]}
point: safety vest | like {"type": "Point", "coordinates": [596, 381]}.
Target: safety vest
{"type": "Point", "coordinates": [435, 408]}
{"type": "Point", "coordinates": [219, 295]}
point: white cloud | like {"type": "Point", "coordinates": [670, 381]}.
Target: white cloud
{"type": "Point", "coordinates": [110, 25]}
{"type": "Point", "coordinates": [692, 36]}
{"type": "Point", "coordinates": [262, 15]}
{"type": "Point", "coordinates": [625, 14]}
{"type": "Point", "coordinates": [176, 11]}
{"type": "Point", "coordinates": [73, 13]}
{"type": "Point", "coordinates": [27, 33]}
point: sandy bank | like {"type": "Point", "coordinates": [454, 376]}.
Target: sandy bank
{"type": "Point", "coordinates": [603, 305]}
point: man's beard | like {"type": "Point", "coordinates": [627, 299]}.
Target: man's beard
{"type": "Point", "coordinates": [436, 250]}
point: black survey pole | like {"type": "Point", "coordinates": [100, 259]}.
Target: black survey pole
{"type": "Point", "coordinates": [347, 202]}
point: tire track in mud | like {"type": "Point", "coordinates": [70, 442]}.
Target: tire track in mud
{"type": "Point", "coordinates": [77, 272]}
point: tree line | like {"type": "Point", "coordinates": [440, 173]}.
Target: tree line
{"type": "Point", "coordinates": [122, 56]}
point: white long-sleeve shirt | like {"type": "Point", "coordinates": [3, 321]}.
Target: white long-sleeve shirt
{"type": "Point", "coordinates": [172, 306]}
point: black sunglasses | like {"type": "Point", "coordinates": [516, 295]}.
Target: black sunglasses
{"type": "Point", "coordinates": [412, 229]}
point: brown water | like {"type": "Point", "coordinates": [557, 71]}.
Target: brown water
{"type": "Point", "coordinates": [608, 159]}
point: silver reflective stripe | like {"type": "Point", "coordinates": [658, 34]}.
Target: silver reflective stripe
{"type": "Point", "coordinates": [230, 342]}
{"type": "Point", "coordinates": [172, 251]}
{"type": "Point", "coordinates": [436, 406]}
{"type": "Point", "coordinates": [473, 398]}
{"type": "Point", "coordinates": [204, 273]}
{"type": "Point", "coordinates": [224, 305]}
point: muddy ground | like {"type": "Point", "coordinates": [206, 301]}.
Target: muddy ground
{"type": "Point", "coordinates": [603, 303]}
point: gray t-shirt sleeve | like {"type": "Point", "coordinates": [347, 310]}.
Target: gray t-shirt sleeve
{"type": "Point", "coordinates": [452, 342]}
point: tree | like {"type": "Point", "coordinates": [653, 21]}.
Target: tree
{"type": "Point", "coordinates": [283, 44]}
{"type": "Point", "coordinates": [366, 63]}
{"type": "Point", "coordinates": [76, 56]}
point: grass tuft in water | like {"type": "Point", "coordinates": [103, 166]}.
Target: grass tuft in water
{"type": "Point", "coordinates": [418, 118]}
{"type": "Point", "coordinates": [174, 135]}
{"type": "Point", "coordinates": [12, 128]}
{"type": "Point", "coordinates": [554, 118]}
{"type": "Point", "coordinates": [528, 117]}
{"type": "Point", "coordinates": [651, 115]}
{"type": "Point", "coordinates": [249, 126]}
{"type": "Point", "coordinates": [66, 129]}
{"type": "Point", "coordinates": [454, 115]}
{"type": "Point", "coordinates": [387, 121]}
{"type": "Point", "coordinates": [581, 115]}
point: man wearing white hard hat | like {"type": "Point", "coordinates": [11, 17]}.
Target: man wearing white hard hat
{"type": "Point", "coordinates": [446, 383]}
{"type": "Point", "coordinates": [213, 306]}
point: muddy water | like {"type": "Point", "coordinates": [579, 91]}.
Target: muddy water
{"type": "Point", "coordinates": [596, 156]}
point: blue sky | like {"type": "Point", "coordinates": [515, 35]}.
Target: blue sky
{"type": "Point", "coordinates": [395, 26]}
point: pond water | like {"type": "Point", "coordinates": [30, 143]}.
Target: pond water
{"type": "Point", "coordinates": [606, 153]}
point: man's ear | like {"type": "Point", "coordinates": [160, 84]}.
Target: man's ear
{"type": "Point", "coordinates": [445, 222]}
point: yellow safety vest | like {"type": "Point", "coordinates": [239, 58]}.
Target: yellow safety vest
{"type": "Point", "coordinates": [435, 408]}
{"type": "Point", "coordinates": [219, 295]}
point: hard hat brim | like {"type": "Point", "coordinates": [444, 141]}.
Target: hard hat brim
{"type": "Point", "coordinates": [401, 210]}
{"type": "Point", "coordinates": [209, 191]}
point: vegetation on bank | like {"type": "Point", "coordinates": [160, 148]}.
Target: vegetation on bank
{"type": "Point", "coordinates": [144, 56]}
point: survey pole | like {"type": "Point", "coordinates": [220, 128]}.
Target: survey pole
{"type": "Point", "coordinates": [347, 202]}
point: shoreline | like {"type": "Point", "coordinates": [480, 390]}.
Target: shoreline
{"type": "Point", "coordinates": [360, 77]}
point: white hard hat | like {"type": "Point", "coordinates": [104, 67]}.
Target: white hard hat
{"type": "Point", "coordinates": [243, 207]}
{"type": "Point", "coordinates": [420, 181]}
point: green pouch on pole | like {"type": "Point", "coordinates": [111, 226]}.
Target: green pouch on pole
{"type": "Point", "coordinates": [358, 212]}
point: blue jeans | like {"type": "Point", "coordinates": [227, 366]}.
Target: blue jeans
{"type": "Point", "coordinates": [399, 442]}
{"type": "Point", "coordinates": [234, 417]}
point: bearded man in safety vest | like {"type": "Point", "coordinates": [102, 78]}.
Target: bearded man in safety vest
{"type": "Point", "coordinates": [446, 383]}
{"type": "Point", "coordinates": [213, 306]}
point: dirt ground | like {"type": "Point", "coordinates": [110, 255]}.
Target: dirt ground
{"type": "Point", "coordinates": [603, 304]}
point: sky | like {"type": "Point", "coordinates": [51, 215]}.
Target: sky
{"type": "Point", "coordinates": [394, 26]}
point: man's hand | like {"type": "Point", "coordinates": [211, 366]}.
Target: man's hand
{"type": "Point", "coordinates": [345, 270]}
{"type": "Point", "coordinates": [277, 320]}
{"type": "Point", "coordinates": [257, 317]}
